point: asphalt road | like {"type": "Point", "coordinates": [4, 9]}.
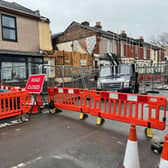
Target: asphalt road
{"type": "Point", "coordinates": [63, 141]}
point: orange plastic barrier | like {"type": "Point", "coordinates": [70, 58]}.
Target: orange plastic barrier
{"type": "Point", "coordinates": [13, 104]}
{"type": "Point", "coordinates": [143, 110]}
{"type": "Point", "coordinates": [3, 87]}
{"type": "Point", "coordinates": [69, 99]}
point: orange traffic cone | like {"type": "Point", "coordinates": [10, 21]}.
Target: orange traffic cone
{"type": "Point", "coordinates": [131, 159]}
{"type": "Point", "coordinates": [164, 158]}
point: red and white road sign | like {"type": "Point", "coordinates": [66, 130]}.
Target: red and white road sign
{"type": "Point", "coordinates": [35, 83]}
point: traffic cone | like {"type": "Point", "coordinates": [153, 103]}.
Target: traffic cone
{"type": "Point", "coordinates": [131, 159]}
{"type": "Point", "coordinates": [164, 158]}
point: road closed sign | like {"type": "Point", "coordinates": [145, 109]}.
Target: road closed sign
{"type": "Point", "coordinates": [35, 83]}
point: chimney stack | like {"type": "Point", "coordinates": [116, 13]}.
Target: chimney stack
{"type": "Point", "coordinates": [98, 25]}
{"type": "Point", "coordinates": [123, 33]}
{"type": "Point", "coordinates": [37, 12]}
{"type": "Point", "coordinates": [85, 23]}
{"type": "Point", "coordinates": [141, 38]}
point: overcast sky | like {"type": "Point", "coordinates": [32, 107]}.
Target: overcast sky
{"type": "Point", "coordinates": [138, 17]}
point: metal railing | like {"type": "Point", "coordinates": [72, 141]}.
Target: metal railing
{"type": "Point", "coordinates": [150, 77]}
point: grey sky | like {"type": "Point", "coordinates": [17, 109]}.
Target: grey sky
{"type": "Point", "coordinates": [137, 17]}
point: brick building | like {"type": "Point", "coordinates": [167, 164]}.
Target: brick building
{"type": "Point", "coordinates": [93, 40]}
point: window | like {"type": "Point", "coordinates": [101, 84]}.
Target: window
{"type": "Point", "coordinates": [124, 69]}
{"type": "Point", "coordinates": [108, 46]}
{"type": "Point", "coordinates": [13, 71]}
{"type": "Point", "coordinates": [160, 55]}
{"type": "Point", "coordinates": [75, 45]}
{"type": "Point", "coordinates": [105, 71]}
{"type": "Point", "coordinates": [145, 53]}
{"type": "Point", "coordinates": [136, 50]}
{"type": "Point", "coordinates": [9, 31]}
{"type": "Point", "coordinates": [122, 49]}
{"type": "Point", "coordinates": [154, 55]}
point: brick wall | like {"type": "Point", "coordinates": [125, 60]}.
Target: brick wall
{"type": "Point", "coordinates": [74, 32]}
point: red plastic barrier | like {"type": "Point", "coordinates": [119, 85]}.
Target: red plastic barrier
{"type": "Point", "coordinates": [141, 78]}
{"type": "Point", "coordinates": [69, 99]}
{"type": "Point", "coordinates": [13, 104]}
{"type": "Point", "coordinates": [3, 87]}
{"type": "Point", "coordinates": [150, 78]}
{"type": "Point", "coordinates": [143, 110]}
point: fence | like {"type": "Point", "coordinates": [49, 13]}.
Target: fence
{"type": "Point", "coordinates": [7, 88]}
{"type": "Point", "coordinates": [13, 104]}
{"type": "Point", "coordinates": [60, 76]}
{"type": "Point", "coordinates": [74, 77]}
{"type": "Point", "coordinates": [153, 77]}
{"type": "Point", "coordinates": [150, 78]}
{"type": "Point", "coordinates": [75, 59]}
{"type": "Point", "coordinates": [143, 110]}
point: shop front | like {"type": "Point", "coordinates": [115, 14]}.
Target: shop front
{"type": "Point", "coordinates": [14, 68]}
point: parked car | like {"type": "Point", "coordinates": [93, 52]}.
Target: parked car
{"type": "Point", "coordinates": [121, 78]}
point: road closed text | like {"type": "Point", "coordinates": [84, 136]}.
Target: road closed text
{"type": "Point", "coordinates": [36, 87]}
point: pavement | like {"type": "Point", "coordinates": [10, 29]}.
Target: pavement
{"type": "Point", "coordinates": [63, 141]}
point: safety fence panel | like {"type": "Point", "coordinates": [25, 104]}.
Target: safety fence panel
{"type": "Point", "coordinates": [10, 88]}
{"type": "Point", "coordinates": [69, 99]}
{"type": "Point", "coordinates": [150, 78]}
{"type": "Point", "coordinates": [31, 104]}
{"type": "Point", "coordinates": [13, 104]}
{"type": "Point", "coordinates": [143, 110]}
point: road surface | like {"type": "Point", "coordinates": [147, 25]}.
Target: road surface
{"type": "Point", "coordinates": [63, 141]}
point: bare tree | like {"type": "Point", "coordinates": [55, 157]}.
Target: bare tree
{"type": "Point", "coordinates": [160, 40]}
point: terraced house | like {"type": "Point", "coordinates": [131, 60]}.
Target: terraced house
{"type": "Point", "coordinates": [94, 40]}
{"type": "Point", "coordinates": [24, 39]}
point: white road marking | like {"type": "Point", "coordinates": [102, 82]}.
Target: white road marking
{"type": "Point", "coordinates": [14, 122]}
{"type": "Point", "coordinates": [18, 129]}
{"type": "Point", "coordinates": [10, 123]}
{"type": "Point", "coordinates": [57, 157]}
{"type": "Point", "coordinates": [21, 165]}
{"type": "Point", "coordinates": [120, 143]}
{"type": "Point", "coordinates": [27, 163]}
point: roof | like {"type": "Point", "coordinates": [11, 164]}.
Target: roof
{"type": "Point", "coordinates": [106, 34]}
{"type": "Point", "coordinates": [19, 9]}
{"type": "Point", "coordinates": [96, 30]}
{"type": "Point", "coordinates": [56, 35]}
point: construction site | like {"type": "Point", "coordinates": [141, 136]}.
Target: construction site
{"type": "Point", "coordinates": [73, 123]}
{"type": "Point", "coordinates": [79, 116]}
{"type": "Point", "coordinates": [86, 95]}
